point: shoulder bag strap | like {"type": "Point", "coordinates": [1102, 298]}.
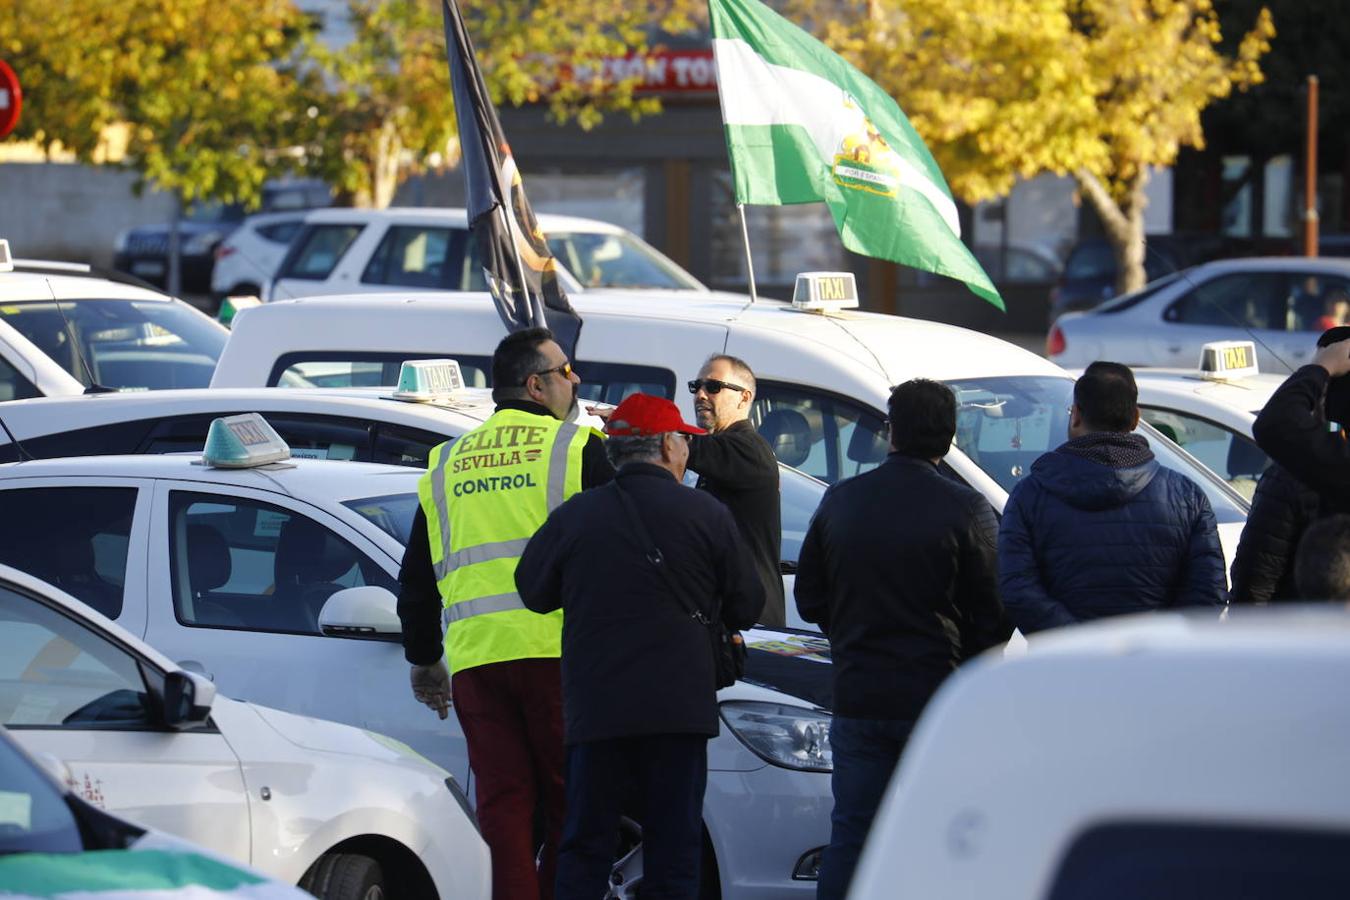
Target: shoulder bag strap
{"type": "Point", "coordinates": [655, 557]}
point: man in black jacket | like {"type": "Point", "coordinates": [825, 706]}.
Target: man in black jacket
{"type": "Point", "coordinates": [738, 467]}
{"type": "Point", "coordinates": [898, 568]}
{"type": "Point", "coordinates": [639, 694]}
{"type": "Point", "coordinates": [1293, 425]}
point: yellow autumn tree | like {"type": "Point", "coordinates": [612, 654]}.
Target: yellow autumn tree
{"type": "Point", "coordinates": [1101, 90]}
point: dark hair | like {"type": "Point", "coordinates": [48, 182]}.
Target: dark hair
{"type": "Point", "coordinates": [1106, 396]}
{"type": "Point", "coordinates": [923, 418]}
{"type": "Point", "coordinates": [1332, 335]}
{"type": "Point", "coordinates": [1322, 562]}
{"type": "Point", "coordinates": [744, 374]}
{"type": "Point", "coordinates": [516, 358]}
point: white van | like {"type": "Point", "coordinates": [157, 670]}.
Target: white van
{"type": "Point", "coordinates": [823, 379]}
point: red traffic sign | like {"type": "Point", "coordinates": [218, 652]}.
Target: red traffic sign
{"type": "Point", "coordinates": [11, 99]}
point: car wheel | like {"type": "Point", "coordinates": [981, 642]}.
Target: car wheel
{"type": "Point", "coordinates": [625, 878]}
{"type": "Point", "coordinates": [344, 876]}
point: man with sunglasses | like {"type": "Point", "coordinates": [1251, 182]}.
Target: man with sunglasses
{"type": "Point", "coordinates": [483, 497]}
{"type": "Point", "coordinates": [738, 467]}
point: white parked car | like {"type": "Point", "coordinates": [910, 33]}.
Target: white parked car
{"type": "Point", "coordinates": [248, 257]}
{"type": "Point", "coordinates": [344, 251]}
{"type": "Point", "coordinates": [823, 379]}
{"type": "Point", "coordinates": [1162, 756]}
{"type": "Point", "coordinates": [279, 583]}
{"type": "Point", "coordinates": [67, 330]}
{"type": "Point", "coordinates": [344, 813]}
{"type": "Point", "coordinates": [1281, 303]}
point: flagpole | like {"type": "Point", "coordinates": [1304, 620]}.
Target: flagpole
{"type": "Point", "coordinates": [749, 262]}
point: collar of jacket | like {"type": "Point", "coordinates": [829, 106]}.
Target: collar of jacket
{"type": "Point", "coordinates": [638, 469]}
{"type": "Point", "coordinates": [894, 458]}
{"type": "Point", "coordinates": [528, 406]}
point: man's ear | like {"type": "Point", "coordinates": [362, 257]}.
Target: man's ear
{"type": "Point", "coordinates": [532, 389]}
{"type": "Point", "coordinates": [1134, 423]}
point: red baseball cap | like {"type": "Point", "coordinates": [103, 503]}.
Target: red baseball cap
{"type": "Point", "coordinates": [643, 414]}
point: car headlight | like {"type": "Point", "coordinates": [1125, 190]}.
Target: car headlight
{"type": "Point", "coordinates": [793, 737]}
{"type": "Point", "coordinates": [202, 244]}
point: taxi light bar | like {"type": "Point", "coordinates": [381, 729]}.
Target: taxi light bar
{"type": "Point", "coordinates": [1228, 360]}
{"type": "Point", "coordinates": [825, 291]}
{"type": "Point", "coordinates": [424, 380]}
{"type": "Point", "coordinates": [243, 442]}
{"type": "Point", "coordinates": [6, 260]}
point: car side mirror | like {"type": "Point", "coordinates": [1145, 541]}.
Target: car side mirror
{"type": "Point", "coordinates": [187, 699]}
{"type": "Point", "coordinates": [367, 613]}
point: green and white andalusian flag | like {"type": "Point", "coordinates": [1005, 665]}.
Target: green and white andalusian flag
{"type": "Point", "coordinates": [804, 126]}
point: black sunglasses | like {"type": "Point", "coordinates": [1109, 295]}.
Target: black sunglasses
{"type": "Point", "coordinates": [713, 386]}
{"type": "Point", "coordinates": [565, 370]}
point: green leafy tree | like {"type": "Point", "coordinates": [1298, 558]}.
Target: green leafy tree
{"type": "Point", "coordinates": [1101, 90]}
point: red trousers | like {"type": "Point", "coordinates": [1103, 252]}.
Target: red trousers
{"type": "Point", "coordinates": [511, 713]}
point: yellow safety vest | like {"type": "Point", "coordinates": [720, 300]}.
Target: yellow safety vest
{"type": "Point", "coordinates": [484, 496]}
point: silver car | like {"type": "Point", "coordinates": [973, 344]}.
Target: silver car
{"type": "Point", "coordinates": [1281, 303]}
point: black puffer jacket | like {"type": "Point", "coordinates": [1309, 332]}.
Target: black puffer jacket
{"type": "Point", "coordinates": [1099, 528]}
{"type": "Point", "coordinates": [1263, 567]}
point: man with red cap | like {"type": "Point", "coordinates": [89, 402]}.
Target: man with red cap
{"type": "Point", "coordinates": [639, 690]}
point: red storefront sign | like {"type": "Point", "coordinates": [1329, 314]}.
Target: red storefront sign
{"type": "Point", "coordinates": [663, 72]}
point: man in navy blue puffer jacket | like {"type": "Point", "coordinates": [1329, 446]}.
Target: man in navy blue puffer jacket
{"type": "Point", "coordinates": [1099, 528]}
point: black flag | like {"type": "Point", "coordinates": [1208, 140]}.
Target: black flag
{"type": "Point", "coordinates": [522, 274]}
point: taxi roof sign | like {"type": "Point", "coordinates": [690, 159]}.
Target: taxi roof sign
{"type": "Point", "coordinates": [6, 261]}
{"type": "Point", "coordinates": [423, 380]}
{"type": "Point", "coordinates": [1228, 360]}
{"type": "Point", "coordinates": [243, 442]}
{"type": "Point", "coordinates": [825, 291]}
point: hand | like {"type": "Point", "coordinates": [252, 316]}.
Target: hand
{"type": "Point", "coordinates": [431, 685]}
{"type": "Point", "coordinates": [1335, 358]}
{"type": "Point", "coordinates": [600, 412]}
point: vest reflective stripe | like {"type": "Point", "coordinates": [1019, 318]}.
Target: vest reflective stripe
{"type": "Point", "coordinates": [441, 566]}
{"type": "Point", "coordinates": [557, 465]}
{"type": "Point", "coordinates": [479, 553]}
{"type": "Point", "coordinates": [481, 606]}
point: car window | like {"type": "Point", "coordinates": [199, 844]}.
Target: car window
{"type": "Point", "coordinates": [400, 445]}
{"type": "Point", "coordinates": [826, 436]}
{"type": "Point", "coordinates": [1131, 300]}
{"type": "Point", "coordinates": [34, 817]}
{"type": "Point", "coordinates": [318, 250]}
{"type": "Point", "coordinates": [798, 496]}
{"type": "Point", "coordinates": [244, 564]}
{"type": "Point", "coordinates": [391, 513]}
{"type": "Point", "coordinates": [56, 673]}
{"type": "Point", "coordinates": [1203, 861]}
{"type": "Point", "coordinates": [1233, 457]}
{"type": "Point", "coordinates": [358, 368]}
{"type": "Point", "coordinates": [281, 232]}
{"type": "Point", "coordinates": [13, 385]}
{"type": "Point", "coordinates": [73, 538]}
{"type": "Point", "coordinates": [1091, 260]}
{"type": "Point", "coordinates": [611, 382]}
{"type": "Point", "coordinates": [1319, 302]}
{"type": "Point", "coordinates": [1256, 300]}
{"type": "Point", "coordinates": [415, 256]}
{"type": "Point", "coordinates": [617, 261]}
{"type": "Point", "coordinates": [125, 344]}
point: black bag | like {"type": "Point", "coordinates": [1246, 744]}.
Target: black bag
{"type": "Point", "coordinates": [728, 647]}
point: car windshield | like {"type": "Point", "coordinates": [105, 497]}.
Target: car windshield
{"type": "Point", "coordinates": [391, 513]}
{"type": "Point", "coordinates": [618, 261]}
{"type": "Point", "coordinates": [1003, 424]}
{"type": "Point", "coordinates": [1127, 301]}
{"type": "Point", "coordinates": [34, 817]}
{"type": "Point", "coordinates": [124, 344]}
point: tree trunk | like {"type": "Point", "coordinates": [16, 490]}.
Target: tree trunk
{"type": "Point", "coordinates": [1124, 226]}
{"type": "Point", "coordinates": [384, 169]}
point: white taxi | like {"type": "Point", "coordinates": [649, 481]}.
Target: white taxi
{"type": "Point", "coordinates": [824, 374]}
{"type": "Point", "coordinates": [64, 330]}
{"type": "Point", "coordinates": [1160, 756]}
{"type": "Point", "coordinates": [1209, 410]}
{"type": "Point", "coordinates": [279, 582]}
{"type": "Point", "coordinates": [345, 814]}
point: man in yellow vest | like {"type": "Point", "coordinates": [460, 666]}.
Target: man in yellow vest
{"type": "Point", "coordinates": [483, 497]}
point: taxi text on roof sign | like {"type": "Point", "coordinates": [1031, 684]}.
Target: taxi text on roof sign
{"type": "Point", "coordinates": [241, 442]}
{"type": "Point", "coordinates": [428, 379]}
{"type": "Point", "coordinates": [1228, 360]}
{"type": "Point", "coordinates": [822, 291]}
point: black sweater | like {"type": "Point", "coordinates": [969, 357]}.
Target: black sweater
{"type": "Point", "coordinates": [738, 467]}
{"type": "Point", "coordinates": [898, 568]}
{"type": "Point", "coordinates": [419, 600]}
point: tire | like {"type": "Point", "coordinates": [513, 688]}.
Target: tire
{"type": "Point", "coordinates": [344, 876]}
